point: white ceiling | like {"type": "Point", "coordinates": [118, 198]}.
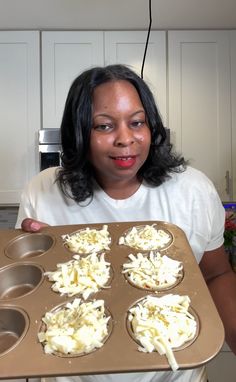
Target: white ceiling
{"type": "Point", "coordinates": [117, 14]}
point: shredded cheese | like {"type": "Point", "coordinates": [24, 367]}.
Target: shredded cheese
{"type": "Point", "coordinates": [82, 275]}
{"type": "Point", "coordinates": [79, 327]}
{"type": "Point", "coordinates": [162, 324]}
{"type": "Point", "coordinates": [88, 240]}
{"type": "Point", "coordinates": [152, 271]}
{"type": "Point", "coordinates": [146, 237]}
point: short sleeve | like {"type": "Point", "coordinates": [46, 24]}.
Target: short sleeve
{"type": "Point", "coordinates": [217, 223]}
{"type": "Point", "coordinates": [25, 208]}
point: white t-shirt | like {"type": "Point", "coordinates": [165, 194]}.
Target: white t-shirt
{"type": "Point", "coordinates": [187, 199]}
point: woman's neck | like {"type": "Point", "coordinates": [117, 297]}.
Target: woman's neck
{"type": "Point", "coordinates": [120, 189]}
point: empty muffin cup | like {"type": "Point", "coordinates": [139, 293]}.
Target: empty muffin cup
{"type": "Point", "coordinates": [17, 280]}
{"type": "Point", "coordinates": [29, 245]}
{"type": "Point", "coordinates": [14, 324]}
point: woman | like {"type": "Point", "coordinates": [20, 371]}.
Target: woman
{"type": "Point", "coordinates": [116, 166]}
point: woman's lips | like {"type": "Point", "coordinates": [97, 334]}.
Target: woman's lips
{"type": "Point", "coordinates": [124, 162]}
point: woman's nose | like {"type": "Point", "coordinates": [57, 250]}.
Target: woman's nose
{"type": "Point", "coordinates": [124, 136]}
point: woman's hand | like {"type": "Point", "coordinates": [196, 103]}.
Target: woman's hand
{"type": "Point", "coordinates": [31, 225]}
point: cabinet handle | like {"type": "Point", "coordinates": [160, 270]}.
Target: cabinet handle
{"type": "Point", "coordinates": [227, 181]}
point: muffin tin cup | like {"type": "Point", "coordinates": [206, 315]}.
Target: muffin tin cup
{"type": "Point", "coordinates": [17, 280]}
{"type": "Point", "coordinates": [120, 352]}
{"type": "Point", "coordinates": [157, 288]}
{"type": "Point", "coordinates": [80, 294]}
{"type": "Point", "coordinates": [156, 247]}
{"type": "Point", "coordinates": [93, 248]}
{"type": "Point", "coordinates": [184, 345]}
{"type": "Point", "coordinates": [14, 324]}
{"type": "Point", "coordinates": [29, 246]}
{"type": "Point", "coordinates": [107, 313]}
{"type": "Point", "coordinates": [160, 288]}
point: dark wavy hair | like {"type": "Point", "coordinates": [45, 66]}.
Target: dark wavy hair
{"type": "Point", "coordinates": [76, 176]}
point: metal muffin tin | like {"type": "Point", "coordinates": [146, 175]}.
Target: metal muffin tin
{"type": "Point", "coordinates": [26, 295]}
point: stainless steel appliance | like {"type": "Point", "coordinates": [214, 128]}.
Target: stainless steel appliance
{"type": "Point", "coordinates": [49, 148]}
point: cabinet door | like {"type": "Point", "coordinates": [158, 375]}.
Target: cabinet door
{"type": "Point", "coordinates": [19, 111]}
{"type": "Point", "coordinates": [64, 56]}
{"type": "Point", "coordinates": [127, 47]}
{"type": "Point", "coordinates": [233, 105]}
{"type": "Point", "coordinates": [199, 102]}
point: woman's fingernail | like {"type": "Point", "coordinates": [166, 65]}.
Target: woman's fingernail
{"type": "Point", "coordinates": [35, 226]}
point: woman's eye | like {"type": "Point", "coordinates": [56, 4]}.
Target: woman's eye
{"type": "Point", "coordinates": [137, 123]}
{"type": "Point", "coordinates": [103, 127]}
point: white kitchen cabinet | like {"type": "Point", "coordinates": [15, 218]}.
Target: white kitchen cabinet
{"type": "Point", "coordinates": [233, 105]}
{"type": "Point", "coordinates": [127, 47]}
{"type": "Point", "coordinates": [65, 54]}
{"type": "Point", "coordinates": [19, 111]}
{"type": "Point", "coordinates": [199, 102]}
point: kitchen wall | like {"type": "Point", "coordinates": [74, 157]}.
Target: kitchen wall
{"type": "Point", "coordinates": [113, 14]}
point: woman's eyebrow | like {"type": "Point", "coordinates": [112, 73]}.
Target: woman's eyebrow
{"type": "Point", "coordinates": [138, 112]}
{"type": "Point", "coordinates": [110, 116]}
{"type": "Point", "coordinates": [102, 115]}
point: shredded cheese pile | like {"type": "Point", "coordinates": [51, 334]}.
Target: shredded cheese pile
{"type": "Point", "coordinates": [83, 275]}
{"type": "Point", "coordinates": [163, 323]}
{"type": "Point", "coordinates": [146, 238]}
{"type": "Point", "coordinates": [78, 328]}
{"type": "Point", "coordinates": [88, 240]}
{"type": "Point", "coordinates": [152, 271]}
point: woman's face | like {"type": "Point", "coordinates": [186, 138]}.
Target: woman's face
{"type": "Point", "coordinates": [120, 137]}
